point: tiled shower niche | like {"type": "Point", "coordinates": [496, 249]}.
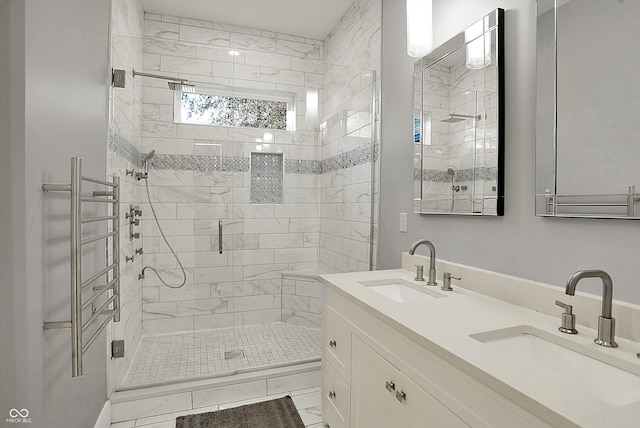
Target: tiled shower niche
{"type": "Point", "coordinates": [266, 178]}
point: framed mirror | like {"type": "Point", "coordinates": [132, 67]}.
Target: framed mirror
{"type": "Point", "coordinates": [458, 123]}
{"type": "Point", "coordinates": [588, 104]}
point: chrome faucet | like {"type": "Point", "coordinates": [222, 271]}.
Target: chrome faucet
{"type": "Point", "coordinates": [432, 259]}
{"type": "Point", "coordinates": [606, 324]}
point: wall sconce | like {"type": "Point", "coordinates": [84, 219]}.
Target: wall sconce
{"type": "Point", "coordinates": [419, 28]}
{"type": "Point", "coordinates": [478, 45]}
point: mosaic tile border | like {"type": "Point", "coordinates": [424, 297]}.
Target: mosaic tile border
{"type": "Point", "coordinates": [300, 166]}
{"type": "Point", "coordinates": [119, 145]}
{"type": "Point", "coordinates": [355, 157]}
{"type": "Point", "coordinates": [487, 173]}
{"type": "Point", "coordinates": [359, 156]}
{"type": "Point", "coordinates": [200, 163]}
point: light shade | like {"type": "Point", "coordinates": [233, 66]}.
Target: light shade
{"type": "Point", "coordinates": [478, 45]}
{"type": "Point", "coordinates": [419, 27]}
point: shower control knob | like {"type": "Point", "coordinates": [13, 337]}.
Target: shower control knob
{"type": "Point", "coordinates": [332, 394]}
{"type": "Point", "coordinates": [135, 222]}
{"type": "Point", "coordinates": [137, 211]}
{"type": "Point", "coordinates": [139, 251]}
{"type": "Point", "coordinates": [135, 235]}
{"type": "Point", "coordinates": [332, 343]}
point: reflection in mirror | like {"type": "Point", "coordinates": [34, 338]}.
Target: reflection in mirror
{"type": "Point", "coordinates": [457, 123]}
{"type": "Point", "coordinates": [588, 106]}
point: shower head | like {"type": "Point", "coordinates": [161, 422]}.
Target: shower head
{"type": "Point", "coordinates": [145, 164]}
{"type": "Point", "coordinates": [451, 171]}
{"type": "Point", "coordinates": [182, 86]}
{"type": "Point", "coordinates": [453, 118]}
{"type": "Point", "coordinates": [175, 84]}
{"type": "Point", "coordinates": [149, 156]}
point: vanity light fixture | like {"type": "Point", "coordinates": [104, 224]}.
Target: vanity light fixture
{"type": "Point", "coordinates": [419, 28]}
{"type": "Point", "coordinates": [478, 45]}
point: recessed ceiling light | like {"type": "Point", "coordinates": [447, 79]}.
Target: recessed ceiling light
{"type": "Point", "coordinates": [234, 52]}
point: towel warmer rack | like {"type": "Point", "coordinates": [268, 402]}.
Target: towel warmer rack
{"type": "Point", "coordinates": [111, 273]}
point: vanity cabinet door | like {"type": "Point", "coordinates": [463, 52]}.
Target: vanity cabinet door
{"type": "Point", "coordinates": [336, 342]}
{"type": "Point", "coordinates": [381, 396]}
{"type": "Point", "coordinates": [336, 397]}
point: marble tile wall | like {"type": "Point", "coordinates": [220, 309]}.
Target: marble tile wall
{"type": "Point", "coordinates": [302, 300]}
{"type": "Point", "coordinates": [263, 60]}
{"type": "Point", "coordinates": [200, 175]}
{"type": "Point", "coordinates": [352, 58]}
{"type": "Point", "coordinates": [123, 153]}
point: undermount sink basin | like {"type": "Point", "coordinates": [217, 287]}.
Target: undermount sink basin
{"type": "Point", "coordinates": [399, 290]}
{"type": "Point", "coordinates": [535, 356]}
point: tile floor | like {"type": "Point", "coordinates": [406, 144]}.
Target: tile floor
{"type": "Point", "coordinates": [307, 402]}
{"type": "Point", "coordinates": [180, 356]}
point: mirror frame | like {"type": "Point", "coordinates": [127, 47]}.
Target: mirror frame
{"type": "Point", "coordinates": [493, 21]}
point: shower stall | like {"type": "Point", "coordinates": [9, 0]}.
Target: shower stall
{"type": "Point", "coordinates": [246, 217]}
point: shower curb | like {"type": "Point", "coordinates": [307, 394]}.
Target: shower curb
{"type": "Point", "coordinates": [134, 403]}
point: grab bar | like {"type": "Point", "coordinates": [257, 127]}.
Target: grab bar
{"type": "Point", "coordinates": [111, 271]}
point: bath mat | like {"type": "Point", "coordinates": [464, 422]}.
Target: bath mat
{"type": "Point", "coordinates": [278, 413]}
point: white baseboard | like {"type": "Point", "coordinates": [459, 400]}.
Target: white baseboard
{"type": "Point", "coordinates": [104, 420]}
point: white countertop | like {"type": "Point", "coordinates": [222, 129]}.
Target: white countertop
{"type": "Point", "coordinates": [445, 325]}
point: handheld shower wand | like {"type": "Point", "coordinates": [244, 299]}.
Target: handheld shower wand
{"type": "Point", "coordinates": [145, 165]}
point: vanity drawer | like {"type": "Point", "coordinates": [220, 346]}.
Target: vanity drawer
{"type": "Point", "coordinates": [336, 398]}
{"type": "Point", "coordinates": [336, 342]}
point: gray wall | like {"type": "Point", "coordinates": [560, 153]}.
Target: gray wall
{"type": "Point", "coordinates": [541, 249]}
{"type": "Point", "coordinates": [12, 264]}
{"type": "Point", "coordinates": [56, 59]}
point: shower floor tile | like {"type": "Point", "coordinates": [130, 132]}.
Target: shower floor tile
{"type": "Point", "coordinates": [166, 358]}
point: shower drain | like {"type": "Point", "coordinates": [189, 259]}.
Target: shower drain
{"type": "Point", "coordinates": [232, 355]}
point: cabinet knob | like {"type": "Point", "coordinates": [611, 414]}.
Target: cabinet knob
{"type": "Point", "coordinates": [332, 395]}
{"type": "Point", "coordinates": [401, 396]}
{"type": "Point", "coordinates": [332, 343]}
{"type": "Point", "coordinates": [390, 386]}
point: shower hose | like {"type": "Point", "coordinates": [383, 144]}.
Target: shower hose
{"type": "Point", "coordinates": [155, 217]}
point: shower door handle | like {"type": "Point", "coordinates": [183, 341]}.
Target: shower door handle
{"type": "Point", "coordinates": [220, 236]}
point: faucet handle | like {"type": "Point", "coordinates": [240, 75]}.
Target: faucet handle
{"type": "Point", "coordinates": [419, 273]}
{"type": "Point", "coordinates": [446, 281]}
{"type": "Point", "coordinates": [568, 319]}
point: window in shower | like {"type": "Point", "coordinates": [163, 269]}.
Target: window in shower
{"type": "Point", "coordinates": [236, 108]}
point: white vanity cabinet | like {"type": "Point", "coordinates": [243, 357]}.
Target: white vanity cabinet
{"type": "Point", "coordinates": [377, 374]}
{"type": "Point", "coordinates": [381, 396]}
{"type": "Point", "coordinates": [336, 368]}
